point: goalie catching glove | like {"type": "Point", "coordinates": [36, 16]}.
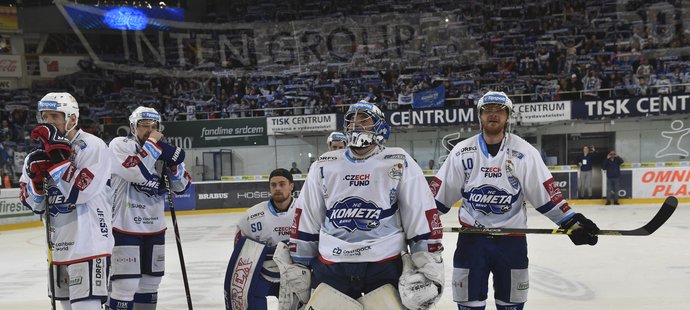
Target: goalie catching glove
{"type": "Point", "coordinates": [295, 280]}
{"type": "Point", "coordinates": [422, 280]}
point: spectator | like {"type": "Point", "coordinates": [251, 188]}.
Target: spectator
{"type": "Point", "coordinates": [294, 169]}
{"type": "Point", "coordinates": [612, 166]}
{"type": "Point", "coordinates": [584, 185]}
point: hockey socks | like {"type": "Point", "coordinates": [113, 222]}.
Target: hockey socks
{"type": "Point", "coordinates": [115, 304]}
{"type": "Point", "coordinates": [145, 301]}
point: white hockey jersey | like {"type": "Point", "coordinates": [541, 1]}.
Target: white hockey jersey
{"type": "Point", "coordinates": [80, 201]}
{"type": "Point", "coordinates": [364, 210]}
{"type": "Point", "coordinates": [266, 225]}
{"type": "Point", "coordinates": [493, 188]}
{"type": "Point", "coordinates": [138, 202]}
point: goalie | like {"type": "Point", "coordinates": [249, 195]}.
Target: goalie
{"type": "Point", "coordinates": [252, 273]}
{"type": "Point", "coordinates": [359, 209]}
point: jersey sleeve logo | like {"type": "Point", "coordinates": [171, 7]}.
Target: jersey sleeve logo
{"type": "Point", "coordinates": [488, 199]}
{"type": "Point", "coordinates": [83, 179]}
{"type": "Point", "coordinates": [354, 213]}
{"type": "Point", "coordinates": [435, 185]}
{"type": "Point", "coordinates": [131, 161]}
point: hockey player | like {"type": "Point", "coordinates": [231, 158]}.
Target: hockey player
{"type": "Point", "coordinates": [141, 160]}
{"type": "Point", "coordinates": [336, 141]}
{"type": "Point", "coordinates": [358, 210]}
{"type": "Point", "coordinates": [76, 168]}
{"type": "Point", "coordinates": [265, 225]}
{"type": "Point", "coordinates": [492, 173]}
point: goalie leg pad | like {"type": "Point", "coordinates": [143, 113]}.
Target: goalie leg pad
{"type": "Point", "coordinates": [243, 275]}
{"type": "Point", "coordinates": [326, 297]}
{"type": "Point", "coordinates": [385, 297]}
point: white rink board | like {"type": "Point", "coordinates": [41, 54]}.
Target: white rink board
{"type": "Point", "coordinates": [618, 273]}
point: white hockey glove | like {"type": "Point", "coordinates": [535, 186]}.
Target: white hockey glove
{"type": "Point", "coordinates": [422, 280]}
{"type": "Point", "coordinates": [295, 280]}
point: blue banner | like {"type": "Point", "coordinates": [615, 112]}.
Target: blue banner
{"type": "Point", "coordinates": [186, 201]}
{"type": "Point", "coordinates": [433, 98]}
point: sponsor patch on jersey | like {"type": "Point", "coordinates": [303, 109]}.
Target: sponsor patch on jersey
{"type": "Point", "coordinates": [69, 173]}
{"type": "Point", "coordinates": [488, 199]}
{"type": "Point", "coordinates": [149, 187]}
{"type": "Point", "coordinates": [396, 171]}
{"type": "Point", "coordinates": [395, 156]}
{"type": "Point", "coordinates": [517, 154]}
{"type": "Point", "coordinates": [361, 251]}
{"type": "Point", "coordinates": [554, 192]}
{"type": "Point", "coordinates": [143, 153]}
{"type": "Point", "coordinates": [491, 172]}
{"type": "Point", "coordinates": [435, 185]}
{"type": "Point", "coordinates": [435, 226]}
{"type": "Point", "coordinates": [327, 158]}
{"type": "Point", "coordinates": [295, 228]}
{"type": "Point", "coordinates": [80, 144]}
{"type": "Point", "coordinates": [467, 149]}
{"type": "Point", "coordinates": [131, 161]}
{"type": "Point", "coordinates": [358, 179]}
{"type": "Point", "coordinates": [354, 213]}
{"type": "Point", "coordinates": [83, 179]}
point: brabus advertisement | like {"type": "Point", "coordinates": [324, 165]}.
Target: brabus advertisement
{"type": "Point", "coordinates": [225, 195]}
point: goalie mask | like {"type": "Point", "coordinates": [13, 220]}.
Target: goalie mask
{"type": "Point", "coordinates": [493, 100]}
{"type": "Point", "coordinates": [59, 102]}
{"type": "Point", "coordinates": [143, 114]}
{"type": "Point", "coordinates": [360, 136]}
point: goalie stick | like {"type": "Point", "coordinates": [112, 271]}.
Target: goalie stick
{"type": "Point", "coordinates": [659, 219]}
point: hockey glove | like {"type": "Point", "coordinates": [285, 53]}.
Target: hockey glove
{"type": "Point", "coordinates": [584, 230]}
{"type": "Point", "coordinates": [295, 280]}
{"type": "Point", "coordinates": [57, 146]}
{"type": "Point", "coordinates": [171, 154]}
{"type": "Point", "coordinates": [422, 280]}
{"type": "Point", "coordinates": [37, 165]}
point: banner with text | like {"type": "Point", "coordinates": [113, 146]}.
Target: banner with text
{"type": "Point", "coordinates": [54, 66]}
{"type": "Point", "coordinates": [542, 112]}
{"type": "Point", "coordinates": [11, 209]}
{"type": "Point", "coordinates": [213, 133]}
{"type": "Point", "coordinates": [10, 66]}
{"type": "Point", "coordinates": [433, 98]}
{"type": "Point", "coordinates": [431, 117]}
{"type": "Point", "coordinates": [243, 194]}
{"type": "Point", "coordinates": [300, 123]}
{"type": "Point", "coordinates": [661, 182]}
{"type": "Point", "coordinates": [631, 107]}
{"type": "Point", "coordinates": [185, 201]}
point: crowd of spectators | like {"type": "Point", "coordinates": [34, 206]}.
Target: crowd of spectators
{"type": "Point", "coordinates": [535, 51]}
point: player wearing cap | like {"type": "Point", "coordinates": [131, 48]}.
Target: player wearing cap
{"type": "Point", "coordinates": [252, 274]}
{"type": "Point", "coordinates": [75, 167]}
{"type": "Point", "coordinates": [141, 160]}
{"type": "Point", "coordinates": [492, 173]}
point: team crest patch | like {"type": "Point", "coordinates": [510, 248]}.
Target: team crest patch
{"type": "Point", "coordinates": [354, 213]}
{"type": "Point", "coordinates": [488, 199]}
{"type": "Point", "coordinates": [83, 179]}
{"type": "Point", "coordinates": [435, 185]}
{"type": "Point", "coordinates": [396, 171]}
{"type": "Point", "coordinates": [131, 161]}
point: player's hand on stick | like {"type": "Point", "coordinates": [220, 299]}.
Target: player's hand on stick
{"type": "Point", "coordinates": [584, 230]}
{"type": "Point", "coordinates": [37, 165]}
{"type": "Point", "coordinates": [422, 280]}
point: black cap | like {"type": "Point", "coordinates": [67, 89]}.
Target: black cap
{"type": "Point", "coordinates": [280, 172]}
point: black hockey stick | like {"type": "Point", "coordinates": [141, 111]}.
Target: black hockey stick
{"type": "Point", "coordinates": [51, 276]}
{"type": "Point", "coordinates": [659, 219]}
{"type": "Point", "coordinates": [166, 176]}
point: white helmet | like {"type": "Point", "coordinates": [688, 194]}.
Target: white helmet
{"type": "Point", "coordinates": [60, 102]}
{"type": "Point", "coordinates": [363, 138]}
{"type": "Point", "coordinates": [142, 113]}
{"type": "Point", "coordinates": [495, 98]}
{"type": "Point", "coordinates": [336, 136]}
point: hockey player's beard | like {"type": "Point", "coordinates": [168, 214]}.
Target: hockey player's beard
{"type": "Point", "coordinates": [279, 198]}
{"type": "Point", "coordinates": [493, 128]}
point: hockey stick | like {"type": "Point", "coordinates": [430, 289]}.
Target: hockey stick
{"type": "Point", "coordinates": [166, 176]}
{"type": "Point", "coordinates": [51, 276]}
{"type": "Point", "coordinates": [659, 219]}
